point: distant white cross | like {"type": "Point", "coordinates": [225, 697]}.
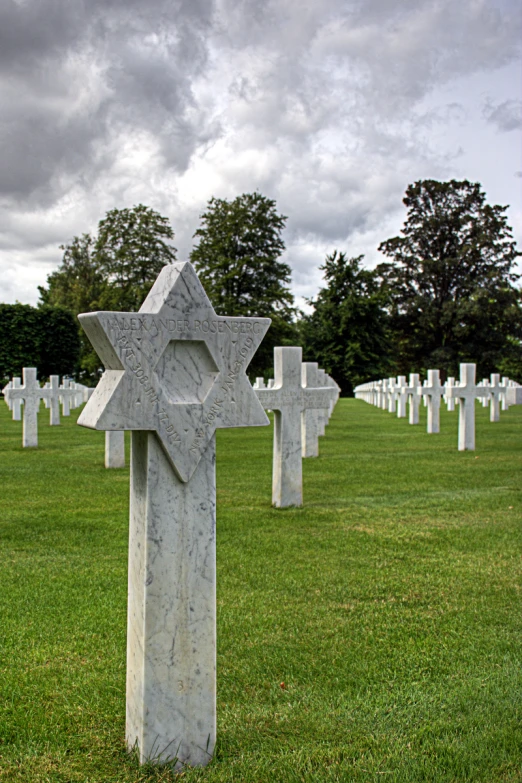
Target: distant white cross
{"type": "Point", "coordinates": [31, 393]}
{"type": "Point", "coordinates": [433, 391]}
{"type": "Point", "coordinates": [289, 400]}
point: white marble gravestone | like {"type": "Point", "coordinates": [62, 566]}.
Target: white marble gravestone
{"type": "Point", "coordinates": [114, 449]}
{"type": "Point", "coordinates": [321, 414]}
{"type": "Point", "coordinates": [450, 401]}
{"type": "Point", "coordinates": [495, 390]}
{"type": "Point", "coordinates": [259, 383]}
{"type": "Point", "coordinates": [384, 394]}
{"type": "Point", "coordinates": [52, 397]}
{"type": "Point", "coordinates": [66, 394]}
{"type": "Point", "coordinates": [31, 393]}
{"type": "Point", "coordinates": [175, 372]}
{"type": "Point", "coordinates": [310, 417]}
{"type": "Point", "coordinates": [392, 395]}
{"type": "Point", "coordinates": [466, 392]}
{"type": "Point", "coordinates": [504, 403]}
{"type": "Point", "coordinates": [514, 395]}
{"type": "Point", "coordinates": [14, 403]}
{"type": "Point", "coordinates": [402, 397]}
{"type": "Point", "coordinates": [5, 391]}
{"type": "Point", "coordinates": [288, 399]}
{"type": "Point", "coordinates": [335, 394]}
{"type": "Point", "coordinates": [413, 394]}
{"type": "Point", "coordinates": [433, 390]}
{"type": "Point", "coordinates": [483, 392]}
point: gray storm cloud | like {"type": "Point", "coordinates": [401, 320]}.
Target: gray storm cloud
{"type": "Point", "coordinates": [330, 107]}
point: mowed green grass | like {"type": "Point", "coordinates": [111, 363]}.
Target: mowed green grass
{"type": "Point", "coordinates": [373, 635]}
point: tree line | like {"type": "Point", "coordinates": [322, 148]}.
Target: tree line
{"type": "Point", "coordinates": [447, 293]}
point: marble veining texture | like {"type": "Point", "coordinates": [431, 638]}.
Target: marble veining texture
{"type": "Point", "coordinates": [171, 639]}
{"type": "Point", "coordinates": [114, 449]}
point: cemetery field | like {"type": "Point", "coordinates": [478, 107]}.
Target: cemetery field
{"type": "Point", "coordinates": [373, 635]}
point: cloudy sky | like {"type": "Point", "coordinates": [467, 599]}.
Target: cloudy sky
{"type": "Point", "coordinates": [330, 107]}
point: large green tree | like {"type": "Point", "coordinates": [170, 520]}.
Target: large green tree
{"type": "Point", "coordinates": [112, 271]}
{"type": "Point", "coordinates": [238, 260]}
{"type": "Point", "coordinates": [452, 280]}
{"type": "Point", "coordinates": [347, 332]}
{"type": "Point", "coordinates": [131, 249]}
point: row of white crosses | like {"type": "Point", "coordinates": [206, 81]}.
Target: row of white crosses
{"type": "Point", "coordinates": [70, 395]}
{"type": "Point", "coordinates": [176, 372]}
{"type": "Point", "coordinates": [27, 395]}
{"type": "Point", "coordinates": [394, 394]}
{"type": "Point", "coordinates": [302, 397]}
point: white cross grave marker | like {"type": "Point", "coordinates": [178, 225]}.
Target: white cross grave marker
{"type": "Point", "coordinates": [504, 396]}
{"type": "Point", "coordinates": [412, 391]}
{"type": "Point", "coordinates": [384, 394]}
{"type": "Point", "coordinates": [15, 403]}
{"type": "Point", "coordinates": [66, 397]}
{"type": "Point", "coordinates": [175, 372]}
{"type": "Point", "coordinates": [401, 397]}
{"type": "Point", "coordinates": [392, 395]}
{"type": "Point", "coordinates": [322, 415]}
{"type": "Point", "coordinates": [5, 391]}
{"type": "Point", "coordinates": [484, 392]}
{"type": "Point", "coordinates": [450, 401]}
{"type": "Point", "coordinates": [433, 391]}
{"type": "Point", "coordinates": [466, 392]}
{"type": "Point", "coordinates": [310, 418]}
{"type": "Point", "coordinates": [288, 399]}
{"type": "Point", "coordinates": [52, 396]}
{"type": "Point", "coordinates": [495, 390]}
{"type": "Point", "coordinates": [31, 393]}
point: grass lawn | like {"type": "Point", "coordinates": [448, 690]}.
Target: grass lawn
{"type": "Point", "coordinates": [373, 635]}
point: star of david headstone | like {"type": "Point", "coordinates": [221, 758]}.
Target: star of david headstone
{"type": "Point", "coordinates": [175, 372]}
{"type": "Point", "coordinates": [175, 368]}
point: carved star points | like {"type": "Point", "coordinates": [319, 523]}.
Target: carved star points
{"type": "Point", "coordinates": [205, 386]}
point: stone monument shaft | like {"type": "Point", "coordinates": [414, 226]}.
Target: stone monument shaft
{"type": "Point", "coordinates": [175, 372]}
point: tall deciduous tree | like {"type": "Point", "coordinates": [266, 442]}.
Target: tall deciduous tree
{"type": "Point", "coordinates": [451, 280]}
{"type": "Point", "coordinates": [130, 251]}
{"type": "Point", "coordinates": [238, 259]}
{"type": "Point", "coordinates": [347, 332]}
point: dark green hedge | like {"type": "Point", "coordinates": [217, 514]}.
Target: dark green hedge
{"type": "Point", "coordinates": [44, 337]}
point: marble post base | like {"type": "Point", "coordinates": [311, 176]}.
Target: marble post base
{"type": "Point", "coordinates": [171, 639]}
{"type": "Point", "coordinates": [467, 425]}
{"type": "Point", "coordinates": [114, 449]}
{"type": "Point", "coordinates": [310, 434]}
{"type": "Point", "coordinates": [287, 473]}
